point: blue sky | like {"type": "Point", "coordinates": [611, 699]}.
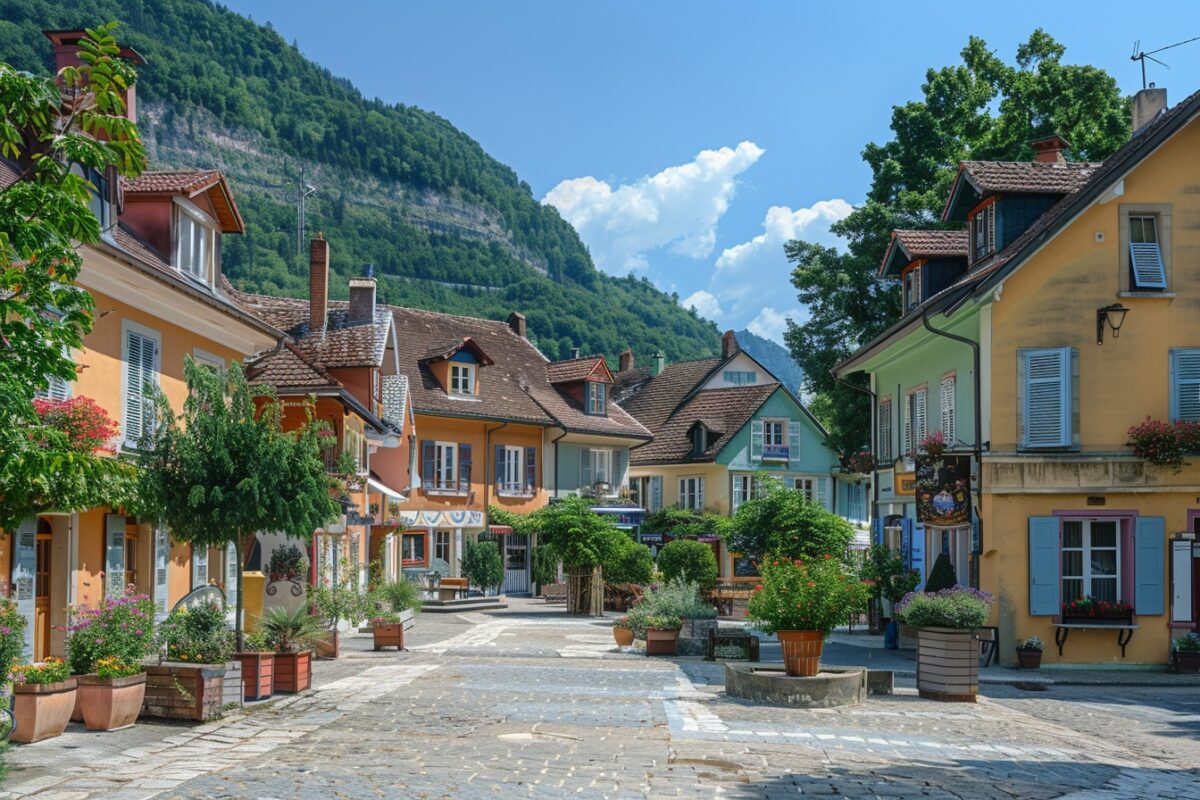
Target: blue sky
{"type": "Point", "coordinates": [687, 140]}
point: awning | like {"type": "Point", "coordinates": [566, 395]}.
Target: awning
{"type": "Point", "coordinates": [384, 489]}
{"type": "Point", "coordinates": [441, 519]}
{"type": "Point", "coordinates": [502, 529]}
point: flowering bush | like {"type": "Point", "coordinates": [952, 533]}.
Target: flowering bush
{"type": "Point", "coordinates": [1097, 609]}
{"type": "Point", "coordinates": [12, 637]}
{"type": "Point", "coordinates": [120, 628]}
{"type": "Point", "coordinates": [623, 623]}
{"type": "Point", "coordinates": [675, 599]}
{"type": "Point", "coordinates": [1165, 445]}
{"type": "Point", "coordinates": [814, 595]}
{"type": "Point", "coordinates": [932, 446]}
{"type": "Point", "coordinates": [52, 670]}
{"type": "Point", "coordinates": [663, 622]}
{"type": "Point", "coordinates": [1033, 643]}
{"type": "Point", "coordinates": [197, 635]}
{"type": "Point", "coordinates": [958, 607]}
{"type": "Point", "coordinates": [86, 425]}
{"type": "Point", "coordinates": [113, 667]}
{"type": "Point", "coordinates": [861, 462]}
{"type": "Point", "coordinates": [1187, 644]}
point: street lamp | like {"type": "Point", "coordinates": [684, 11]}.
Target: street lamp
{"type": "Point", "coordinates": [1114, 315]}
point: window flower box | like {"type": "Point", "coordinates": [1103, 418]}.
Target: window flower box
{"type": "Point", "coordinates": [1099, 613]}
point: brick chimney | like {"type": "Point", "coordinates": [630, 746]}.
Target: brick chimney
{"type": "Point", "coordinates": [1146, 106]}
{"type": "Point", "coordinates": [362, 297]}
{"type": "Point", "coordinates": [729, 344]}
{"type": "Point", "coordinates": [1050, 149]}
{"type": "Point", "coordinates": [66, 54]}
{"type": "Point", "coordinates": [516, 321]}
{"type": "Point", "coordinates": [660, 363]}
{"type": "Point", "coordinates": [318, 283]}
{"type": "Point", "coordinates": [625, 360]}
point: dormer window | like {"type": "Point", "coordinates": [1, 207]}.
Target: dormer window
{"type": "Point", "coordinates": [462, 379]}
{"type": "Point", "coordinates": [983, 232]}
{"type": "Point", "coordinates": [195, 242]}
{"type": "Point", "coordinates": [596, 397]}
{"type": "Point", "coordinates": [912, 289]}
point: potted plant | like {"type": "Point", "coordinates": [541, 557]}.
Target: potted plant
{"type": "Point", "coordinates": [623, 632]}
{"type": "Point", "coordinates": [1090, 611]}
{"type": "Point", "coordinates": [681, 599]}
{"type": "Point", "coordinates": [337, 601]}
{"type": "Point", "coordinates": [190, 682]}
{"type": "Point", "coordinates": [117, 634]}
{"type": "Point", "coordinates": [44, 697]}
{"type": "Point", "coordinates": [286, 564]}
{"type": "Point", "coordinates": [888, 579]}
{"type": "Point", "coordinates": [947, 653]}
{"type": "Point", "coordinates": [1029, 654]}
{"type": "Point", "coordinates": [293, 633]}
{"type": "Point", "coordinates": [801, 601]}
{"type": "Point", "coordinates": [111, 696]}
{"type": "Point", "coordinates": [662, 633]}
{"type": "Point", "coordinates": [387, 630]}
{"type": "Point", "coordinates": [258, 666]}
{"type": "Point", "coordinates": [1186, 650]}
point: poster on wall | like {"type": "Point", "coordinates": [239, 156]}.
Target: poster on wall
{"type": "Point", "coordinates": [944, 491]}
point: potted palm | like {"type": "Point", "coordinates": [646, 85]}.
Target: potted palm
{"type": "Point", "coordinates": [394, 602]}
{"type": "Point", "coordinates": [336, 601]}
{"type": "Point", "coordinates": [662, 634]}
{"type": "Point", "coordinates": [258, 666]}
{"type": "Point", "coordinates": [293, 632]}
{"type": "Point", "coordinates": [44, 697]}
{"type": "Point", "coordinates": [1186, 650]}
{"type": "Point", "coordinates": [947, 654]}
{"type": "Point", "coordinates": [105, 647]}
{"type": "Point", "coordinates": [623, 632]}
{"type": "Point", "coordinates": [1029, 654]}
{"type": "Point", "coordinates": [801, 601]}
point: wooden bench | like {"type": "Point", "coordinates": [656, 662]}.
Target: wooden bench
{"type": "Point", "coordinates": [554, 593]}
{"type": "Point", "coordinates": [451, 588]}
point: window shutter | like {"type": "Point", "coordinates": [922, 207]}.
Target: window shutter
{"type": "Point", "coordinates": [1148, 271]}
{"type": "Point", "coordinates": [499, 471]}
{"type": "Point", "coordinates": [199, 566]}
{"type": "Point", "coordinates": [161, 557]}
{"type": "Point", "coordinates": [1182, 589]}
{"type": "Point", "coordinates": [1047, 398]}
{"type": "Point", "coordinates": [885, 431]}
{"type": "Point", "coordinates": [756, 440]}
{"type": "Point", "coordinates": [24, 570]}
{"type": "Point", "coordinates": [1149, 563]}
{"type": "Point", "coordinates": [531, 469]}
{"type": "Point", "coordinates": [793, 441]}
{"type": "Point", "coordinates": [699, 494]}
{"type": "Point", "coordinates": [1185, 385]}
{"type": "Point", "coordinates": [1044, 562]}
{"type": "Point", "coordinates": [464, 467]}
{"type": "Point", "coordinates": [114, 555]}
{"type": "Point", "coordinates": [991, 223]}
{"type": "Point", "coordinates": [683, 501]}
{"type": "Point", "coordinates": [877, 530]}
{"type": "Point", "coordinates": [428, 463]}
{"type": "Point", "coordinates": [56, 390]}
{"type": "Point", "coordinates": [823, 493]}
{"type": "Point", "coordinates": [918, 551]}
{"type": "Point", "coordinates": [585, 468]}
{"type": "Point", "coordinates": [231, 558]}
{"type": "Point", "coordinates": [906, 542]}
{"type": "Point", "coordinates": [946, 401]}
{"type": "Point", "coordinates": [133, 387]}
{"type": "Point", "coordinates": [656, 487]}
{"type": "Point", "coordinates": [919, 417]}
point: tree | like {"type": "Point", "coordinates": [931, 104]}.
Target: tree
{"type": "Point", "coordinates": [632, 563]}
{"type": "Point", "coordinates": [982, 109]}
{"type": "Point", "coordinates": [690, 561]}
{"type": "Point", "coordinates": [482, 565]}
{"type": "Point", "coordinates": [56, 139]}
{"type": "Point", "coordinates": [782, 523]}
{"type": "Point", "coordinates": [583, 541]}
{"type": "Point", "coordinates": [225, 469]}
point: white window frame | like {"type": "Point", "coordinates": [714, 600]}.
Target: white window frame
{"type": "Point", "coordinates": [740, 377]}
{"type": "Point", "coordinates": [912, 288]}
{"type": "Point", "coordinates": [691, 492]}
{"type": "Point", "coordinates": [445, 466]}
{"type": "Point", "coordinates": [741, 489]}
{"type": "Point", "coordinates": [462, 378]}
{"type": "Point", "coordinates": [946, 402]}
{"type": "Point", "coordinates": [202, 234]}
{"type": "Point", "coordinates": [129, 327]}
{"type": "Point", "coordinates": [202, 356]}
{"type": "Point", "coordinates": [775, 434]}
{"type": "Point", "coordinates": [806, 486]}
{"type": "Point", "coordinates": [601, 459]}
{"type": "Point", "coordinates": [512, 465]}
{"type": "Point", "coordinates": [1086, 549]}
{"type": "Point", "coordinates": [596, 398]}
{"type": "Point", "coordinates": [405, 551]}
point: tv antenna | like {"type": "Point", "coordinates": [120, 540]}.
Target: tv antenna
{"type": "Point", "coordinates": [1141, 55]}
{"type": "Point", "coordinates": [299, 195]}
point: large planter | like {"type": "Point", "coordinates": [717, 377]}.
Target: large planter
{"type": "Point", "coordinates": [1029, 659]}
{"type": "Point", "coordinates": [42, 710]}
{"type": "Point", "coordinates": [801, 652]}
{"type": "Point", "coordinates": [231, 691]}
{"type": "Point", "coordinates": [293, 671]}
{"type": "Point", "coordinates": [258, 675]}
{"type": "Point", "coordinates": [177, 690]}
{"type": "Point", "coordinates": [661, 641]}
{"type": "Point", "coordinates": [947, 664]}
{"type": "Point", "coordinates": [623, 636]}
{"type": "Point", "coordinates": [329, 646]}
{"type": "Point", "coordinates": [109, 704]}
{"type": "Point", "coordinates": [389, 635]}
{"type": "Point", "coordinates": [1187, 662]}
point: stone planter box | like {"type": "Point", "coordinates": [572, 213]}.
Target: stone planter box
{"type": "Point", "coordinates": [43, 710]}
{"type": "Point", "coordinates": [177, 690]}
{"type": "Point", "coordinates": [258, 675]}
{"type": "Point", "coordinates": [109, 704]}
{"type": "Point", "coordinates": [390, 635]}
{"type": "Point", "coordinates": [293, 671]}
{"type": "Point", "coordinates": [834, 686]}
{"type": "Point", "coordinates": [947, 664]}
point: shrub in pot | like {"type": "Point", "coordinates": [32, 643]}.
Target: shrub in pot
{"type": "Point", "coordinates": [43, 699]}
{"type": "Point", "coordinates": [482, 566]}
{"type": "Point", "coordinates": [398, 595]}
{"type": "Point", "coordinates": [111, 696]}
{"type": "Point", "coordinates": [889, 579]}
{"type": "Point", "coordinates": [336, 602]}
{"type": "Point", "coordinates": [675, 599]}
{"type": "Point", "coordinates": [258, 666]}
{"type": "Point", "coordinates": [623, 632]}
{"type": "Point", "coordinates": [947, 654]}
{"type": "Point", "coordinates": [1029, 654]}
{"type": "Point", "coordinates": [387, 630]}
{"type": "Point", "coordinates": [293, 632]}
{"type": "Point", "coordinates": [801, 601]}
{"type": "Point", "coordinates": [662, 633]}
{"type": "Point", "coordinates": [1187, 653]}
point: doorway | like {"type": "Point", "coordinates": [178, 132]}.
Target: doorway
{"type": "Point", "coordinates": [41, 593]}
{"type": "Point", "coordinates": [516, 563]}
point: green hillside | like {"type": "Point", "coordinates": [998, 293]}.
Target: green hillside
{"type": "Point", "coordinates": [447, 227]}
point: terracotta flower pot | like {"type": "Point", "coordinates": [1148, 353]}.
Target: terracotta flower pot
{"type": "Point", "coordinates": [623, 636]}
{"type": "Point", "coordinates": [1029, 659]}
{"type": "Point", "coordinates": [110, 704]}
{"type": "Point", "coordinates": [258, 674]}
{"type": "Point", "coordinates": [801, 652]}
{"type": "Point", "coordinates": [389, 635]}
{"type": "Point", "coordinates": [293, 671]}
{"type": "Point", "coordinates": [661, 641]}
{"type": "Point", "coordinates": [42, 711]}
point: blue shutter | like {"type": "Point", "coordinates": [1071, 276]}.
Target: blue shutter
{"type": "Point", "coordinates": [918, 552]}
{"type": "Point", "coordinates": [428, 476]}
{"type": "Point", "coordinates": [1048, 397]}
{"type": "Point", "coordinates": [1044, 556]}
{"type": "Point", "coordinates": [1149, 565]}
{"type": "Point", "coordinates": [756, 440]}
{"type": "Point", "coordinates": [464, 467]}
{"type": "Point", "coordinates": [656, 500]}
{"type": "Point", "coordinates": [906, 542]}
{"type": "Point", "coordinates": [585, 468]}
{"type": "Point", "coordinates": [531, 469]}
{"type": "Point", "coordinates": [877, 530]}
{"type": "Point", "coordinates": [498, 472]}
{"type": "Point", "coordinates": [1185, 385]}
{"type": "Point", "coordinates": [1148, 271]}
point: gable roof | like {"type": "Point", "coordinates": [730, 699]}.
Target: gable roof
{"type": "Point", "coordinates": [662, 394]}
{"type": "Point", "coordinates": [909, 245]}
{"type": "Point", "coordinates": [287, 368]}
{"type": "Point", "coordinates": [722, 411]}
{"type": "Point", "coordinates": [978, 179]}
{"type": "Point", "coordinates": [190, 183]}
{"type": "Point", "coordinates": [440, 352]}
{"type": "Point", "coordinates": [579, 369]}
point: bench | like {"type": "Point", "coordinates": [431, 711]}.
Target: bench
{"type": "Point", "coordinates": [554, 593]}
{"type": "Point", "coordinates": [451, 588]}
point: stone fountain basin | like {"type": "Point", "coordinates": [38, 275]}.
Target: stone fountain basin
{"type": "Point", "coordinates": [832, 686]}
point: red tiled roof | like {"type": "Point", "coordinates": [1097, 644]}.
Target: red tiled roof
{"type": "Point", "coordinates": [180, 181]}
{"type": "Point", "coordinates": [1054, 177]}
{"type": "Point", "coordinates": [574, 369]}
{"type": "Point", "coordinates": [933, 244]}
{"type": "Point", "coordinates": [723, 411]}
{"type": "Point", "coordinates": [289, 368]}
{"type": "Point", "coordinates": [662, 395]}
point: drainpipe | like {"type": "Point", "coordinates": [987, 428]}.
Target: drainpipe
{"type": "Point", "coordinates": [554, 492]}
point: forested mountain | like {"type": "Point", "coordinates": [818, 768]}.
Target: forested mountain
{"type": "Point", "coordinates": [447, 227]}
{"type": "Point", "coordinates": [774, 357]}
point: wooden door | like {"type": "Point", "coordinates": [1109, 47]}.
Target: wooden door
{"type": "Point", "coordinates": [41, 601]}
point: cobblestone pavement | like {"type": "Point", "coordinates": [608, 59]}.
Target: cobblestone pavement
{"type": "Point", "coordinates": [530, 703]}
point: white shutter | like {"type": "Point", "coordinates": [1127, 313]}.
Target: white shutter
{"type": "Point", "coordinates": [1185, 385]}
{"type": "Point", "coordinates": [231, 557]}
{"type": "Point", "coordinates": [908, 425]}
{"type": "Point", "coordinates": [683, 495]}
{"type": "Point", "coordinates": [24, 569]}
{"type": "Point", "coordinates": [946, 401]}
{"type": "Point", "coordinates": [793, 441]}
{"type": "Point", "coordinates": [141, 367]}
{"type": "Point", "coordinates": [885, 431]}
{"type": "Point", "coordinates": [161, 557]}
{"type": "Point", "coordinates": [822, 493]}
{"type": "Point", "coordinates": [1047, 398]}
{"type": "Point", "coordinates": [57, 390]}
{"type": "Point", "coordinates": [919, 421]}
{"type": "Point", "coordinates": [585, 468]}
{"type": "Point", "coordinates": [656, 487]}
{"type": "Point", "coordinates": [114, 555]}
{"type": "Point", "coordinates": [199, 566]}
{"type": "Point", "coordinates": [699, 494]}
{"type": "Point", "coordinates": [756, 440]}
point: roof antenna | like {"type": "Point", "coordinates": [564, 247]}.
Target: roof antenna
{"type": "Point", "coordinates": [1141, 55]}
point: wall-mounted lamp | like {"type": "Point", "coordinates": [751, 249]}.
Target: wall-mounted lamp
{"type": "Point", "coordinates": [1114, 315]}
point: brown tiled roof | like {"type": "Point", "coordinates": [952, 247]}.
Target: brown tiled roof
{"type": "Point", "coordinates": [570, 414]}
{"type": "Point", "coordinates": [444, 350]}
{"type": "Point", "coordinates": [289, 368]}
{"type": "Point", "coordinates": [1056, 177]}
{"type": "Point", "coordinates": [662, 395]}
{"type": "Point", "coordinates": [135, 245]}
{"type": "Point", "coordinates": [630, 381]}
{"type": "Point", "coordinates": [179, 181]}
{"type": "Point", "coordinates": [573, 369]}
{"type": "Point", "coordinates": [933, 244]}
{"type": "Point", "coordinates": [723, 411]}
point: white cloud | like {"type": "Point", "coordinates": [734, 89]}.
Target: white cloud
{"type": "Point", "coordinates": [781, 225]}
{"type": "Point", "coordinates": [770, 324]}
{"type": "Point", "coordinates": [705, 303]}
{"type": "Point", "coordinates": [677, 209]}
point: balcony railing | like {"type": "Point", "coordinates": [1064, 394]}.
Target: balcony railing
{"type": "Point", "coordinates": [442, 486]}
{"type": "Point", "coordinates": [775, 452]}
{"type": "Point", "coordinates": [517, 489]}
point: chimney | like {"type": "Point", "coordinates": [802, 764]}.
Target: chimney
{"type": "Point", "coordinates": [660, 363]}
{"type": "Point", "coordinates": [65, 45]}
{"type": "Point", "coordinates": [729, 345]}
{"type": "Point", "coordinates": [318, 283]}
{"type": "Point", "coordinates": [574, 352]}
{"type": "Point", "coordinates": [1147, 105]}
{"type": "Point", "coordinates": [625, 360]}
{"type": "Point", "coordinates": [1050, 149]}
{"type": "Point", "coordinates": [362, 297]}
{"type": "Point", "coordinates": [516, 321]}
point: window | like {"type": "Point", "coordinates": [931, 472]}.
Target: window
{"type": "Point", "coordinates": [1091, 560]}
{"type": "Point", "coordinates": [743, 488]}
{"type": "Point", "coordinates": [195, 243]}
{"type": "Point", "coordinates": [1047, 405]}
{"type": "Point", "coordinates": [441, 546]}
{"type": "Point", "coordinates": [740, 377]}
{"type": "Point", "coordinates": [806, 487]}
{"type": "Point", "coordinates": [983, 232]}
{"type": "Point", "coordinates": [1145, 255]}
{"type": "Point", "coordinates": [646, 492]}
{"type": "Point", "coordinates": [884, 430]}
{"type": "Point", "coordinates": [445, 465]}
{"type": "Point", "coordinates": [691, 493]}
{"type": "Point", "coordinates": [596, 397]}
{"type": "Point", "coordinates": [946, 401]}
{"type": "Point", "coordinates": [856, 502]}
{"type": "Point", "coordinates": [595, 467]}
{"type": "Point", "coordinates": [199, 566]}
{"type": "Point", "coordinates": [462, 379]}
{"type": "Point", "coordinates": [1185, 385]}
{"type": "Point", "coordinates": [516, 470]}
{"type": "Point", "coordinates": [912, 288]}
{"type": "Point", "coordinates": [141, 371]}
{"type": "Point", "coordinates": [775, 444]}
{"type": "Point", "coordinates": [412, 548]}
{"type": "Point", "coordinates": [354, 444]}
{"type": "Point", "coordinates": [914, 419]}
